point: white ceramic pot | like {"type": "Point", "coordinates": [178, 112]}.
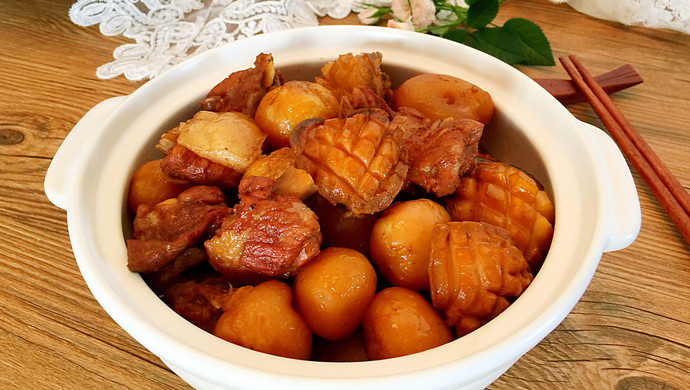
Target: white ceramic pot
{"type": "Point", "coordinates": [596, 204]}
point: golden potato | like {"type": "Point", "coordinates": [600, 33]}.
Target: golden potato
{"type": "Point", "coordinates": [284, 107]}
{"type": "Point", "coordinates": [400, 322]}
{"type": "Point", "coordinates": [262, 318]}
{"type": "Point", "coordinates": [333, 290]}
{"type": "Point", "coordinates": [439, 96]}
{"type": "Point", "coordinates": [399, 243]}
{"type": "Point", "coordinates": [151, 186]}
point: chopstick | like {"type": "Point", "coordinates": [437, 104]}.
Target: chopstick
{"type": "Point", "coordinates": [672, 197]}
{"type": "Point", "coordinates": [566, 92]}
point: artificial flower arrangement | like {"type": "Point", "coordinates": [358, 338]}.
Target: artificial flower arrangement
{"type": "Point", "coordinates": [517, 41]}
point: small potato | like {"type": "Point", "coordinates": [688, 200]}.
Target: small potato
{"type": "Point", "coordinates": [262, 318]}
{"type": "Point", "coordinates": [400, 239]}
{"type": "Point", "coordinates": [439, 96]}
{"type": "Point", "coordinates": [400, 322]}
{"type": "Point", "coordinates": [333, 290]}
{"type": "Point", "coordinates": [151, 186]}
{"type": "Point", "coordinates": [284, 107]}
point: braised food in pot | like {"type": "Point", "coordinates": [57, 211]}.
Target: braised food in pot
{"type": "Point", "coordinates": [340, 218]}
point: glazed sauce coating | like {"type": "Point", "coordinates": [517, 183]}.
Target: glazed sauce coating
{"type": "Point", "coordinates": [336, 213]}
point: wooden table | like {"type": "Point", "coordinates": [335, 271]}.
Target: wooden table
{"type": "Point", "coordinates": [630, 330]}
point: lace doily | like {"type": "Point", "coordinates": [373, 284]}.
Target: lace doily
{"type": "Point", "coordinates": [165, 32]}
{"type": "Point", "coordinates": [168, 31]}
{"type": "Point", "coordinates": [670, 14]}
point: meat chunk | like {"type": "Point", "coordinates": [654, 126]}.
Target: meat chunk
{"type": "Point", "coordinates": [350, 71]}
{"type": "Point", "coordinates": [267, 236]}
{"type": "Point", "coordinates": [473, 271]}
{"type": "Point", "coordinates": [199, 302]}
{"type": "Point", "coordinates": [353, 161]}
{"type": "Point", "coordinates": [507, 197]}
{"type": "Point", "coordinates": [211, 148]}
{"type": "Point", "coordinates": [182, 163]}
{"type": "Point", "coordinates": [242, 91]}
{"type": "Point", "coordinates": [172, 272]}
{"type": "Point", "coordinates": [163, 232]}
{"type": "Point", "coordinates": [229, 138]}
{"type": "Point", "coordinates": [438, 153]}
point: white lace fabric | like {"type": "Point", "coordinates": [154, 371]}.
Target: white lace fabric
{"type": "Point", "coordinates": [166, 32]}
{"type": "Point", "coordinates": [669, 14]}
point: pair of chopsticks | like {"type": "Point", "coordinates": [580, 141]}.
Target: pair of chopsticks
{"type": "Point", "coordinates": [672, 197]}
{"type": "Point", "coordinates": [566, 92]}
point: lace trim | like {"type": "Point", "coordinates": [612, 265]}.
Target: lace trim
{"type": "Point", "coordinates": [168, 31]}
{"type": "Point", "coordinates": [670, 14]}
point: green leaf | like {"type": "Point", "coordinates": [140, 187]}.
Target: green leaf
{"type": "Point", "coordinates": [498, 42]}
{"type": "Point", "coordinates": [518, 41]}
{"type": "Point", "coordinates": [481, 12]}
{"type": "Point", "coordinates": [457, 35]}
{"type": "Point", "coordinates": [536, 47]}
{"type": "Point", "coordinates": [440, 30]}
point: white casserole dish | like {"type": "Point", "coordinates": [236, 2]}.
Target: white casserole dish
{"type": "Point", "coordinates": [595, 199]}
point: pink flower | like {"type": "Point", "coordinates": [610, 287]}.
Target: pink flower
{"type": "Point", "coordinates": [421, 13]}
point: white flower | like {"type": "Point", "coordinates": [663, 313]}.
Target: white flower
{"type": "Point", "coordinates": [457, 3]}
{"type": "Point", "coordinates": [421, 13]}
{"type": "Point", "coordinates": [404, 25]}
{"type": "Point", "coordinates": [368, 15]}
{"type": "Point", "coordinates": [443, 17]}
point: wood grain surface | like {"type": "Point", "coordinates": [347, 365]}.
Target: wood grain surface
{"type": "Point", "coordinates": [630, 330]}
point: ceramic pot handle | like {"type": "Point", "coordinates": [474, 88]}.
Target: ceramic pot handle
{"type": "Point", "coordinates": [623, 205]}
{"type": "Point", "coordinates": [60, 172]}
